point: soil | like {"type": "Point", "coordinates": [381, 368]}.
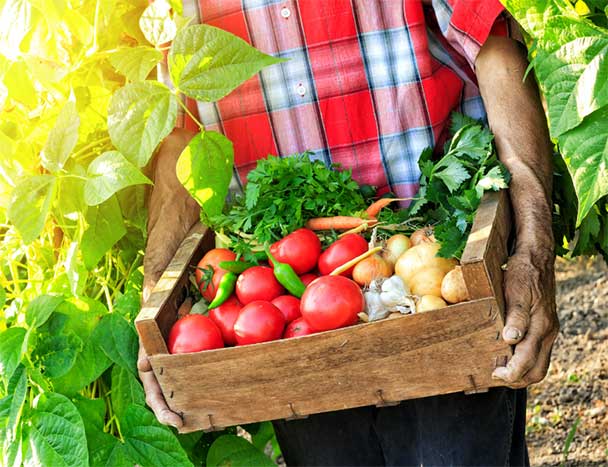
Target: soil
{"type": "Point", "coordinates": [571, 403]}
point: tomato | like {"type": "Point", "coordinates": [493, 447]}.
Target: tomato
{"type": "Point", "coordinates": [300, 249]}
{"type": "Point", "coordinates": [212, 259]}
{"type": "Point", "coordinates": [331, 302]}
{"type": "Point", "coordinates": [308, 277]}
{"type": "Point", "coordinates": [224, 316]}
{"type": "Point", "coordinates": [341, 251]}
{"type": "Point", "coordinates": [258, 283]}
{"type": "Point", "coordinates": [194, 333]}
{"type": "Point", "coordinates": [289, 306]}
{"type": "Point", "coordinates": [259, 321]}
{"type": "Point", "coordinates": [298, 327]}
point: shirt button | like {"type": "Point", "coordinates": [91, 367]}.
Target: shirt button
{"type": "Point", "coordinates": [301, 89]}
{"type": "Point", "coordinates": [285, 13]}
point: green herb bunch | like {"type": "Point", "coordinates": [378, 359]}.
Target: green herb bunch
{"type": "Point", "coordinates": [451, 188]}
{"type": "Point", "coordinates": [282, 194]}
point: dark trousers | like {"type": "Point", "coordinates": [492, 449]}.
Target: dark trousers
{"type": "Point", "coordinates": [456, 429]}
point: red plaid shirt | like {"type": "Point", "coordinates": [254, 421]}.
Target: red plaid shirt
{"type": "Point", "coordinates": [369, 84]}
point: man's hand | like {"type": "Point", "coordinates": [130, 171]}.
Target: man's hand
{"type": "Point", "coordinates": [172, 212]}
{"type": "Point", "coordinates": [519, 124]}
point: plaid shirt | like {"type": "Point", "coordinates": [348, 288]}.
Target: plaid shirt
{"type": "Point", "coordinates": [369, 83]}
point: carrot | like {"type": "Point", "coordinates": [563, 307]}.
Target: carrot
{"type": "Point", "coordinates": [349, 264]}
{"type": "Point", "coordinates": [337, 223]}
{"type": "Point", "coordinates": [374, 209]}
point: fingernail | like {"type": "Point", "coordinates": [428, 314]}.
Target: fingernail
{"type": "Point", "coordinates": [499, 373]}
{"type": "Point", "coordinates": [512, 334]}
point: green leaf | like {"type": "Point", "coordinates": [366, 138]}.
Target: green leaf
{"type": "Point", "coordinates": [233, 451]}
{"type": "Point", "coordinates": [205, 169]}
{"type": "Point", "coordinates": [140, 115]}
{"type": "Point", "coordinates": [75, 270]}
{"type": "Point", "coordinates": [107, 451]}
{"type": "Point", "coordinates": [157, 24]}
{"type": "Point", "coordinates": [11, 341]}
{"type": "Point", "coordinates": [136, 63]}
{"type": "Point", "coordinates": [2, 297]}
{"type": "Point", "coordinates": [494, 180]}
{"type": "Point", "coordinates": [106, 227]}
{"type": "Point", "coordinates": [126, 390]}
{"type": "Point", "coordinates": [472, 140]}
{"type": "Point", "coordinates": [58, 353]}
{"type": "Point", "coordinates": [207, 63]}
{"type": "Point", "coordinates": [30, 204]}
{"type": "Point", "coordinates": [261, 436]}
{"type": "Point", "coordinates": [453, 175]}
{"type": "Point", "coordinates": [585, 150]}
{"type": "Point", "coordinates": [108, 174]}
{"type": "Point", "coordinates": [16, 18]}
{"type": "Point", "coordinates": [62, 139]}
{"type": "Point", "coordinates": [148, 442]}
{"type": "Point", "coordinates": [56, 434]}
{"type": "Point", "coordinates": [39, 309]}
{"type": "Point", "coordinates": [115, 336]}
{"type": "Point", "coordinates": [18, 389]}
{"type": "Point", "coordinates": [92, 411]}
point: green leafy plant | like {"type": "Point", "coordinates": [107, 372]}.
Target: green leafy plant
{"type": "Point", "coordinates": [569, 56]}
{"type": "Point", "coordinates": [82, 115]}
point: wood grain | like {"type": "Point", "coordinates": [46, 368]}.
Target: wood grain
{"type": "Point", "coordinates": [159, 312]}
{"type": "Point", "coordinates": [437, 352]}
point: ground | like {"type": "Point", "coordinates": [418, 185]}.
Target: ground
{"type": "Point", "coordinates": [576, 387]}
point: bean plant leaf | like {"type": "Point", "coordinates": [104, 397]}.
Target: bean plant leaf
{"type": "Point", "coordinates": [58, 353]}
{"type": "Point", "coordinates": [11, 341]}
{"type": "Point", "coordinates": [108, 174]}
{"type": "Point", "coordinates": [207, 63]}
{"type": "Point", "coordinates": [140, 115]}
{"type": "Point", "coordinates": [126, 390]}
{"type": "Point", "coordinates": [62, 139]}
{"type": "Point", "coordinates": [205, 169]}
{"type": "Point", "coordinates": [30, 204]}
{"type": "Point", "coordinates": [157, 24]}
{"type": "Point", "coordinates": [148, 442]}
{"type": "Point", "coordinates": [136, 63]}
{"type": "Point", "coordinates": [107, 451]}
{"type": "Point", "coordinates": [106, 227]}
{"type": "Point", "coordinates": [56, 434]}
{"type": "Point", "coordinates": [39, 309]}
{"type": "Point", "coordinates": [237, 452]}
{"type": "Point", "coordinates": [18, 389]}
{"type": "Point", "coordinates": [585, 150]}
{"type": "Point", "coordinates": [115, 336]}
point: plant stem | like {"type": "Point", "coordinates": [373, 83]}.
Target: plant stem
{"type": "Point", "coordinates": [82, 153]}
{"type": "Point", "coordinates": [185, 107]}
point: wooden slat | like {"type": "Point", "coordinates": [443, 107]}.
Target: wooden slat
{"type": "Point", "coordinates": [487, 249]}
{"type": "Point", "coordinates": [442, 351]}
{"type": "Point", "coordinates": [159, 312]}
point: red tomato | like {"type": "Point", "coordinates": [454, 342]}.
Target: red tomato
{"type": "Point", "coordinates": [308, 278]}
{"type": "Point", "coordinates": [341, 251]}
{"type": "Point", "coordinates": [298, 327]}
{"type": "Point", "coordinates": [259, 321]}
{"type": "Point", "coordinates": [331, 302]}
{"type": "Point", "coordinates": [300, 249]}
{"type": "Point", "coordinates": [289, 306]}
{"type": "Point", "coordinates": [224, 316]}
{"type": "Point", "coordinates": [211, 259]}
{"type": "Point", "coordinates": [194, 333]}
{"type": "Point", "coordinates": [258, 283]}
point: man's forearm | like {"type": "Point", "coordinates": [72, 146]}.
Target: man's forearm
{"type": "Point", "coordinates": [519, 124]}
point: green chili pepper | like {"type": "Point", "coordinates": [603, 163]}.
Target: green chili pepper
{"type": "Point", "coordinates": [286, 276]}
{"type": "Point", "coordinates": [224, 289]}
{"type": "Point", "coordinates": [235, 266]}
{"type": "Point", "coordinates": [260, 255]}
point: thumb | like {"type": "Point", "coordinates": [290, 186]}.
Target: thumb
{"type": "Point", "coordinates": [518, 300]}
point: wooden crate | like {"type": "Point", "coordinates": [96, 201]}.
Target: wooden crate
{"type": "Point", "coordinates": [381, 363]}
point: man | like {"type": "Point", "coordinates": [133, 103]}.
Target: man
{"type": "Point", "coordinates": [369, 85]}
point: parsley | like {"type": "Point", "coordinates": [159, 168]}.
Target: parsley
{"type": "Point", "coordinates": [451, 188]}
{"type": "Point", "coordinates": [282, 194]}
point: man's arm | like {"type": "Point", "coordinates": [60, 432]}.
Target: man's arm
{"type": "Point", "coordinates": [172, 212]}
{"type": "Point", "coordinates": [519, 124]}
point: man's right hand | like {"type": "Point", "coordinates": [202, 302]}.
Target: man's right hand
{"type": "Point", "coordinates": [172, 212]}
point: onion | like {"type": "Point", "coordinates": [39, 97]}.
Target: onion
{"type": "Point", "coordinates": [395, 247]}
{"type": "Point", "coordinates": [430, 302]}
{"type": "Point", "coordinates": [424, 235]}
{"type": "Point", "coordinates": [453, 287]}
{"type": "Point", "coordinates": [373, 267]}
{"type": "Point", "coordinates": [419, 257]}
{"type": "Point", "coordinates": [427, 281]}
